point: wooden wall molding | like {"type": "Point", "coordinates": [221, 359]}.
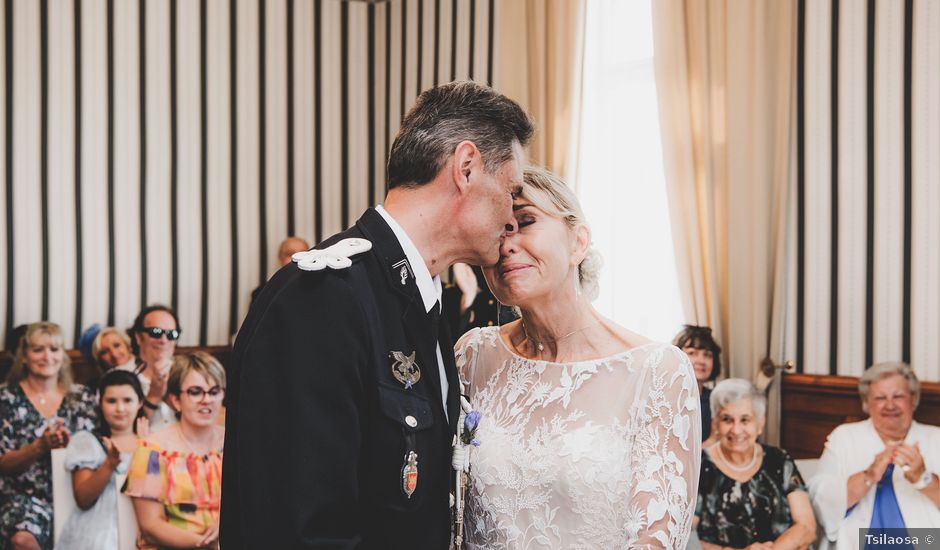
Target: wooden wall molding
{"type": "Point", "coordinates": [813, 405]}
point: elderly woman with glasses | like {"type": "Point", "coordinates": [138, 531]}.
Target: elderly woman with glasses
{"type": "Point", "coordinates": [880, 472]}
{"type": "Point", "coordinates": [153, 340]}
{"type": "Point", "coordinates": [175, 475]}
{"type": "Point", "coordinates": [749, 495]}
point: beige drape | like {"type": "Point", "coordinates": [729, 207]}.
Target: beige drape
{"type": "Point", "coordinates": [725, 77]}
{"type": "Point", "coordinates": [540, 64]}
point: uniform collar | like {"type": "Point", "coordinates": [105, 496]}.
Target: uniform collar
{"type": "Point", "coordinates": [430, 288]}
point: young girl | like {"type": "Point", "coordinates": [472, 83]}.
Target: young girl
{"type": "Point", "coordinates": [95, 460]}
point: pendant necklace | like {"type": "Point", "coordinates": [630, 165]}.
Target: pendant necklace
{"type": "Point", "coordinates": [541, 346]}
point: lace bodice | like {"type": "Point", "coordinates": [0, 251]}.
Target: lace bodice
{"type": "Point", "coordinates": [595, 454]}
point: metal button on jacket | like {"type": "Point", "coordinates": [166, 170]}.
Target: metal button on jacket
{"type": "Point", "coordinates": [411, 421]}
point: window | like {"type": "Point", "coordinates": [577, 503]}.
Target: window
{"type": "Point", "coordinates": [620, 177]}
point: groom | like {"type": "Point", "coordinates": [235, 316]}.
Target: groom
{"type": "Point", "coordinates": [343, 394]}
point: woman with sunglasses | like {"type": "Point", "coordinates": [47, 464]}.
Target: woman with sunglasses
{"type": "Point", "coordinates": [153, 340]}
{"type": "Point", "coordinates": [175, 475]}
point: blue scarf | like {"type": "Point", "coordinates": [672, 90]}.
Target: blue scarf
{"type": "Point", "coordinates": [887, 512]}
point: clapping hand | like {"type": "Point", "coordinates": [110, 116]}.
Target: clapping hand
{"type": "Point", "coordinates": [159, 376]}
{"type": "Point", "coordinates": [55, 436]}
{"type": "Point", "coordinates": [114, 454]}
{"type": "Point", "coordinates": [143, 426]}
{"type": "Point", "coordinates": [909, 459]}
{"type": "Point", "coordinates": [882, 459]}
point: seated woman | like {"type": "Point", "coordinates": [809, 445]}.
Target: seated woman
{"type": "Point", "coordinates": [880, 472]}
{"type": "Point", "coordinates": [154, 334]}
{"type": "Point", "coordinates": [175, 474]}
{"type": "Point", "coordinates": [749, 495]}
{"type": "Point", "coordinates": [39, 410]}
{"type": "Point", "coordinates": [705, 354]}
{"type": "Point", "coordinates": [112, 349]}
{"type": "Point", "coordinates": [95, 459]}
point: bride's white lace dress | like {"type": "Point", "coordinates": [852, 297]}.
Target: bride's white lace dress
{"type": "Point", "coordinates": [598, 454]}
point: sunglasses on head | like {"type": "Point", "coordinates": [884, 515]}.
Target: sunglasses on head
{"type": "Point", "coordinates": [172, 334]}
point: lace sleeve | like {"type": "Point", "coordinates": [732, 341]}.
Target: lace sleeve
{"type": "Point", "coordinates": [465, 353]}
{"type": "Point", "coordinates": [666, 453]}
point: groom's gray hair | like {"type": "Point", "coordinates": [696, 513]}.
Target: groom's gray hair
{"type": "Point", "coordinates": [447, 115]}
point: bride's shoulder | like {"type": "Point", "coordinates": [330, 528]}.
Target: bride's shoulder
{"type": "Point", "coordinates": [476, 339]}
{"type": "Point", "coordinates": [652, 353]}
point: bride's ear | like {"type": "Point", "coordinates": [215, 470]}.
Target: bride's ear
{"type": "Point", "coordinates": [582, 241]}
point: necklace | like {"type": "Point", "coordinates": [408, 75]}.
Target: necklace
{"type": "Point", "coordinates": [731, 466]}
{"type": "Point", "coordinates": [41, 397]}
{"type": "Point", "coordinates": [541, 346]}
{"type": "Point", "coordinates": [188, 442]}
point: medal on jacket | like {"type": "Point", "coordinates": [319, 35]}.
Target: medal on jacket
{"type": "Point", "coordinates": [409, 474]}
{"type": "Point", "coordinates": [404, 369]}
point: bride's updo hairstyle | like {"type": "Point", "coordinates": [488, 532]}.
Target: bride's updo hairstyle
{"type": "Point", "coordinates": [550, 194]}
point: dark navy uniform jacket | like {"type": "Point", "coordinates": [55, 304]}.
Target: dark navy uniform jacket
{"type": "Point", "coordinates": [317, 426]}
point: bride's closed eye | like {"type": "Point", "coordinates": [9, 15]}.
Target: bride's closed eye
{"type": "Point", "coordinates": [524, 221]}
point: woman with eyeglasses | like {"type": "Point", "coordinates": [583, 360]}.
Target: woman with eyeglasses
{"type": "Point", "coordinates": [153, 340]}
{"type": "Point", "coordinates": [881, 472]}
{"type": "Point", "coordinates": [175, 475]}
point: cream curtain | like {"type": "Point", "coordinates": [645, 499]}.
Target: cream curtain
{"type": "Point", "coordinates": [540, 63]}
{"type": "Point", "coordinates": [725, 77]}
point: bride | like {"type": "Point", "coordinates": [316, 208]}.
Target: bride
{"type": "Point", "coordinates": [589, 436]}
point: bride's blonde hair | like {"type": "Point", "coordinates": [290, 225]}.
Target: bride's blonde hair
{"type": "Point", "coordinates": [550, 194]}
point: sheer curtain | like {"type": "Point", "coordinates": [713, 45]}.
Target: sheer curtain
{"type": "Point", "coordinates": [725, 80]}
{"type": "Point", "coordinates": [619, 175]}
{"type": "Point", "coordinates": [541, 44]}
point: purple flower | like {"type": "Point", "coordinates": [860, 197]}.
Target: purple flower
{"type": "Point", "coordinates": [475, 442]}
{"type": "Point", "coordinates": [471, 421]}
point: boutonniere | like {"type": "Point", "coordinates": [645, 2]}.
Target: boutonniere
{"type": "Point", "coordinates": [467, 424]}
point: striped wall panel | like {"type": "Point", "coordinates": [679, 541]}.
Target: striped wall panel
{"type": "Point", "coordinates": [160, 150]}
{"type": "Point", "coordinates": [868, 168]}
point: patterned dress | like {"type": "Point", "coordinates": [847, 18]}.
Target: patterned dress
{"type": "Point", "coordinates": [26, 499]}
{"type": "Point", "coordinates": [599, 454]}
{"type": "Point", "coordinates": [188, 485]}
{"type": "Point", "coordinates": [737, 514]}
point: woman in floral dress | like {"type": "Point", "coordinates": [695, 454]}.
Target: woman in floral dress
{"type": "Point", "coordinates": [39, 409]}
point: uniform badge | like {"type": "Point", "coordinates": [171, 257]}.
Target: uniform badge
{"type": "Point", "coordinates": [409, 474]}
{"type": "Point", "coordinates": [403, 269]}
{"type": "Point", "coordinates": [404, 369]}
